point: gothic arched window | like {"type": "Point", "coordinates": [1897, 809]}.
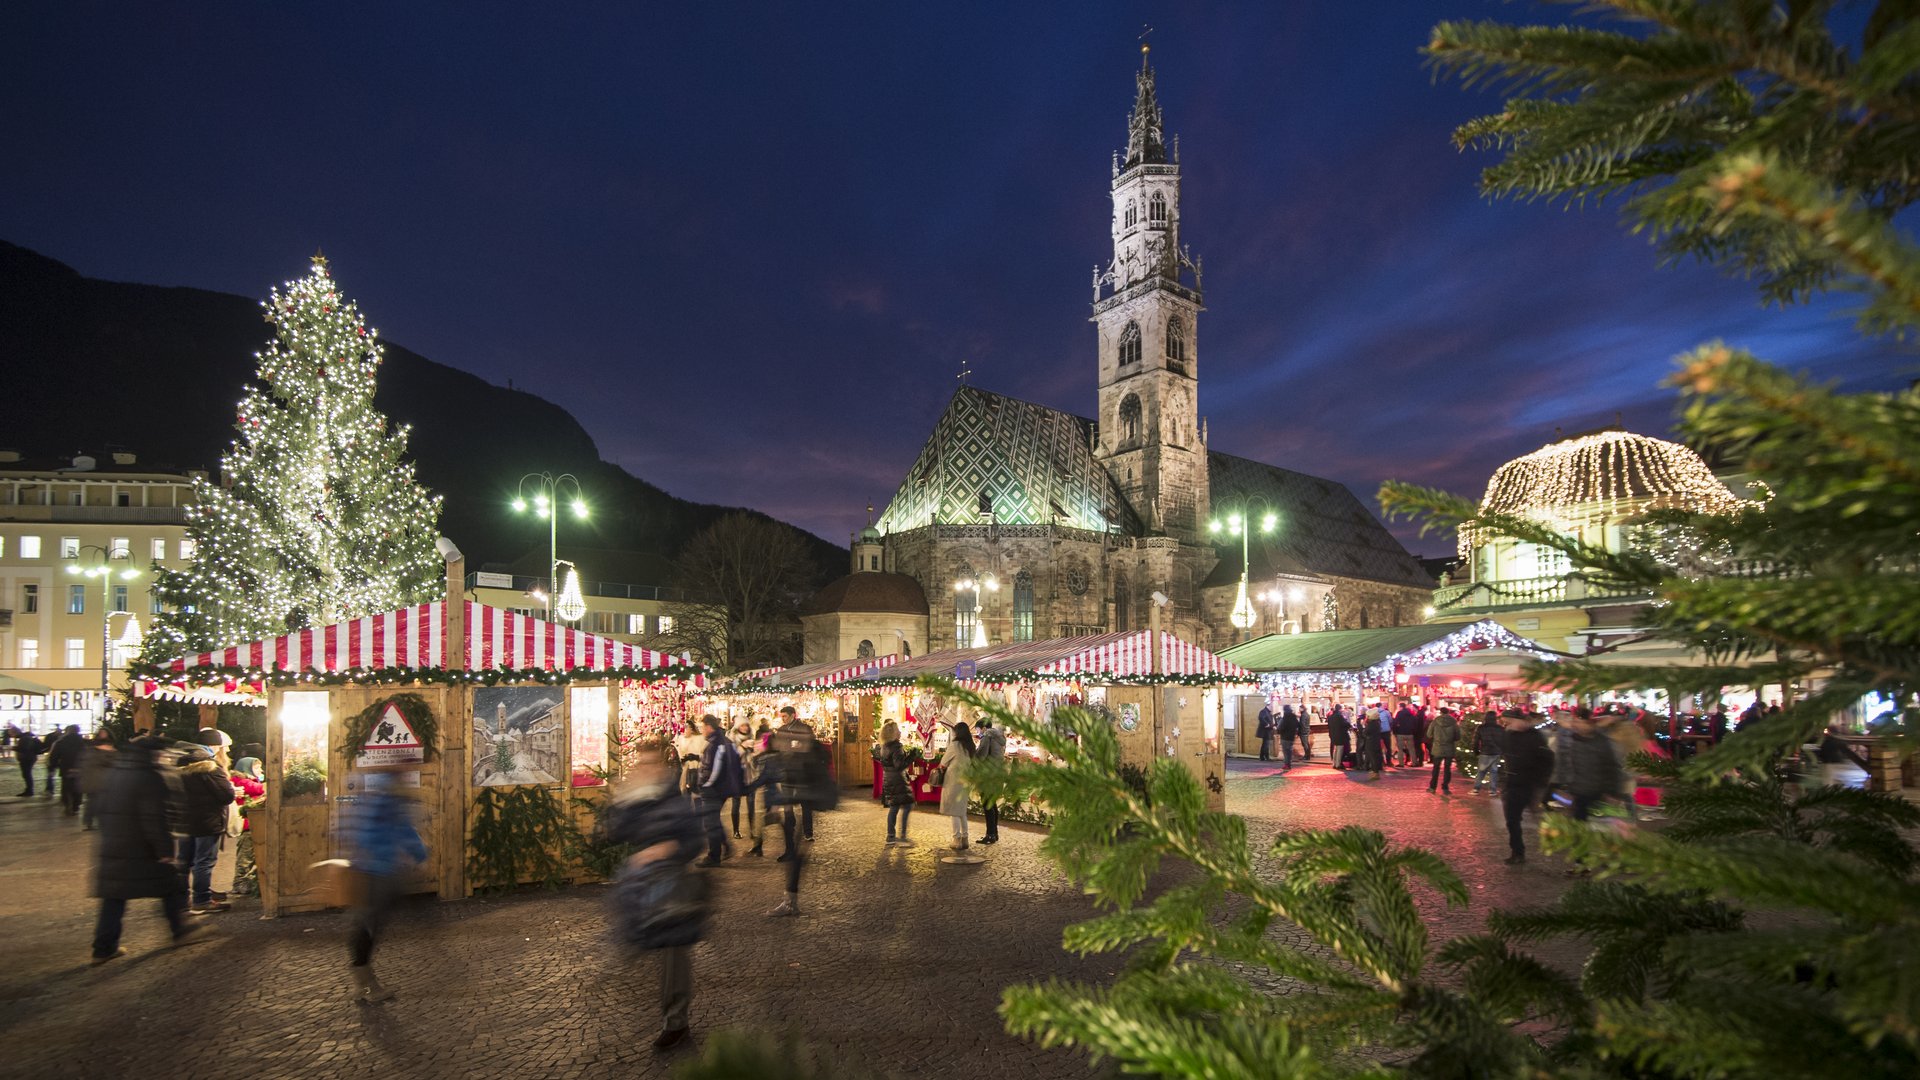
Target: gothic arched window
{"type": "Point", "coordinates": [1122, 603]}
{"type": "Point", "coordinates": [1130, 344]}
{"type": "Point", "coordinates": [1176, 340]}
{"type": "Point", "coordinates": [1157, 210]}
{"type": "Point", "coordinates": [1023, 606]}
{"type": "Point", "coordinates": [1129, 420]}
{"type": "Point", "coordinates": [865, 651]}
{"type": "Point", "coordinates": [966, 606]}
{"type": "Point", "coordinates": [1133, 213]}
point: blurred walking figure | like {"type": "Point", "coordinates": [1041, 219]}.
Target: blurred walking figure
{"type": "Point", "coordinates": [1488, 740]}
{"type": "Point", "coordinates": [1306, 734]}
{"type": "Point", "coordinates": [719, 779]}
{"type": "Point", "coordinates": [953, 782]}
{"type": "Point", "coordinates": [745, 748]}
{"type": "Point", "coordinates": [798, 772]}
{"type": "Point", "coordinates": [1370, 753]}
{"type": "Point", "coordinates": [1593, 767]}
{"type": "Point", "coordinates": [991, 745]}
{"type": "Point", "coordinates": [95, 766]}
{"type": "Point", "coordinates": [140, 807]}
{"type": "Point", "coordinates": [1443, 737]}
{"type": "Point", "coordinates": [1529, 766]}
{"type": "Point", "coordinates": [1264, 729]}
{"type": "Point", "coordinates": [659, 902]}
{"type": "Point", "coordinates": [895, 793]}
{"type": "Point", "coordinates": [378, 833]}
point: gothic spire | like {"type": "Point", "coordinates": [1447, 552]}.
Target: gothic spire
{"type": "Point", "coordinates": [1146, 138]}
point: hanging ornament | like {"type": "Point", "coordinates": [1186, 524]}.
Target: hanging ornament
{"type": "Point", "coordinates": [571, 605]}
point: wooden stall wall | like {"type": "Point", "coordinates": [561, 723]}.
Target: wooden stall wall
{"type": "Point", "coordinates": [294, 835]}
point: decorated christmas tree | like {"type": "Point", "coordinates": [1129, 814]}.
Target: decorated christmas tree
{"type": "Point", "coordinates": [318, 518]}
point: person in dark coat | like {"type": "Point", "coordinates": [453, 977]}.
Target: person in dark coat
{"type": "Point", "coordinates": [63, 761]}
{"type": "Point", "coordinates": [1529, 767]}
{"type": "Point", "coordinates": [1405, 727]}
{"type": "Point", "coordinates": [1264, 729]}
{"type": "Point", "coordinates": [660, 903]}
{"type": "Point", "coordinates": [1593, 767]}
{"type": "Point", "coordinates": [1339, 738]}
{"type": "Point", "coordinates": [26, 751]}
{"type": "Point", "coordinates": [895, 793]}
{"type": "Point", "coordinates": [139, 809]}
{"type": "Point", "coordinates": [1289, 731]}
{"type": "Point", "coordinates": [208, 793]}
{"type": "Point", "coordinates": [1370, 752]}
{"type": "Point", "coordinates": [720, 778]}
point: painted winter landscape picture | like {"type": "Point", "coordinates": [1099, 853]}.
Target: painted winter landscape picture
{"type": "Point", "coordinates": [519, 736]}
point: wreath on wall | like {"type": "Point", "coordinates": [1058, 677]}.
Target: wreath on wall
{"type": "Point", "coordinates": [413, 708]}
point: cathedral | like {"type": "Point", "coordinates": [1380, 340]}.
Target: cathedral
{"type": "Point", "coordinates": [1019, 521]}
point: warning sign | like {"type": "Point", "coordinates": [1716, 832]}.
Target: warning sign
{"type": "Point", "coordinates": [392, 742]}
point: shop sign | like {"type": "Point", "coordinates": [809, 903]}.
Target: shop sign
{"type": "Point", "coordinates": [1526, 624]}
{"type": "Point", "coordinates": [54, 701]}
{"type": "Point", "coordinates": [392, 742]}
{"type": "Point", "coordinates": [484, 580]}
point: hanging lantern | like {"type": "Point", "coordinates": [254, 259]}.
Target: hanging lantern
{"type": "Point", "coordinates": [1242, 615]}
{"type": "Point", "coordinates": [572, 605]}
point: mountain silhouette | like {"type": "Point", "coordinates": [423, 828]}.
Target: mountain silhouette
{"type": "Point", "coordinates": [99, 365]}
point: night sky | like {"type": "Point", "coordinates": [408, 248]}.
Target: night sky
{"type": "Point", "coordinates": [749, 245]}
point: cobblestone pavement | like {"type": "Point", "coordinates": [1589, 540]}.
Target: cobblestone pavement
{"type": "Point", "coordinates": [897, 965]}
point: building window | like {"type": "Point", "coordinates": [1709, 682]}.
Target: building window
{"type": "Point", "coordinates": [76, 652]}
{"type": "Point", "coordinates": [122, 498]}
{"type": "Point", "coordinates": [120, 548]}
{"type": "Point", "coordinates": [159, 549]}
{"type": "Point", "coordinates": [76, 599]}
{"type": "Point", "coordinates": [873, 562]}
{"type": "Point", "coordinates": [864, 651]}
{"type": "Point", "coordinates": [966, 607]}
{"type": "Point", "coordinates": [69, 547]}
{"type": "Point", "coordinates": [119, 598]}
{"type": "Point", "coordinates": [153, 602]}
{"type": "Point", "coordinates": [29, 547]}
{"type": "Point", "coordinates": [1133, 213]}
{"type": "Point", "coordinates": [186, 547]}
{"type": "Point", "coordinates": [636, 623]}
{"type": "Point", "coordinates": [1130, 344]}
{"type": "Point", "coordinates": [29, 652]}
{"type": "Point", "coordinates": [1176, 340]}
{"type": "Point", "coordinates": [29, 599]}
{"type": "Point", "coordinates": [1157, 210]}
{"type": "Point", "coordinates": [1023, 606]}
{"type": "Point", "coordinates": [120, 655]}
{"type": "Point", "coordinates": [1122, 603]}
{"type": "Point", "coordinates": [1129, 420]}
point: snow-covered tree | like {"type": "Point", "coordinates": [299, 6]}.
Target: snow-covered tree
{"type": "Point", "coordinates": [318, 517]}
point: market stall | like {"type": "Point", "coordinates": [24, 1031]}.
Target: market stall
{"type": "Point", "coordinates": [813, 690]}
{"type": "Point", "coordinates": [470, 704]}
{"type": "Point", "coordinates": [1459, 665]}
{"type": "Point", "coordinates": [1164, 701]}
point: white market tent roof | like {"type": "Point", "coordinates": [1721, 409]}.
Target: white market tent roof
{"type": "Point", "coordinates": [413, 639]}
{"type": "Point", "coordinates": [806, 676]}
{"type": "Point", "coordinates": [1124, 656]}
{"type": "Point", "coordinates": [1373, 658]}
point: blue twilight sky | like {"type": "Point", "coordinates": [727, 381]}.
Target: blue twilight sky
{"type": "Point", "coordinates": [750, 244]}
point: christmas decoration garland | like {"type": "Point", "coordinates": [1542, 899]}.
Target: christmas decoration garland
{"type": "Point", "coordinates": [1002, 679]}
{"type": "Point", "coordinates": [205, 674]}
{"type": "Point", "coordinates": [413, 709]}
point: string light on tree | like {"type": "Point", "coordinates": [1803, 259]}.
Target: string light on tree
{"type": "Point", "coordinates": [320, 519]}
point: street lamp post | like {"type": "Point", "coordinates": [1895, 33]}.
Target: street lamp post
{"type": "Point", "coordinates": [107, 573]}
{"type": "Point", "coordinates": [1240, 524]}
{"type": "Point", "coordinates": [546, 490]}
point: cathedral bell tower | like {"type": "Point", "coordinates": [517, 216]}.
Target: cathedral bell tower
{"type": "Point", "coordinates": [1146, 315]}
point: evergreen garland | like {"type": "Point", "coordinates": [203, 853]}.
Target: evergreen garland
{"type": "Point", "coordinates": [211, 674]}
{"type": "Point", "coordinates": [413, 709]}
{"type": "Point", "coordinates": [518, 834]}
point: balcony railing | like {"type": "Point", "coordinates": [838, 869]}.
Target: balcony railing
{"type": "Point", "coordinates": [1480, 596]}
{"type": "Point", "coordinates": [97, 515]}
{"type": "Point", "coordinates": [612, 590]}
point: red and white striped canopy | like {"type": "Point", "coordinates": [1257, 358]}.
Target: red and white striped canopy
{"type": "Point", "coordinates": [808, 676]}
{"type": "Point", "coordinates": [414, 637]}
{"type": "Point", "coordinates": [1124, 654]}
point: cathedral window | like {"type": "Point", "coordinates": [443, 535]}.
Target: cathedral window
{"type": "Point", "coordinates": [865, 651]}
{"type": "Point", "coordinates": [1176, 340]}
{"type": "Point", "coordinates": [1129, 420]}
{"type": "Point", "coordinates": [1023, 606]}
{"type": "Point", "coordinates": [1132, 214]}
{"type": "Point", "coordinates": [966, 606]}
{"type": "Point", "coordinates": [1157, 210]}
{"type": "Point", "coordinates": [1130, 344]}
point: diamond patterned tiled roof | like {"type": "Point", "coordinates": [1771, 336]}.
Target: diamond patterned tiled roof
{"type": "Point", "coordinates": [1323, 526]}
{"type": "Point", "coordinates": [1035, 466]}
{"type": "Point", "coordinates": [1026, 463]}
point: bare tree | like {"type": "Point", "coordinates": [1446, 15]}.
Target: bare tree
{"type": "Point", "coordinates": [742, 580]}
